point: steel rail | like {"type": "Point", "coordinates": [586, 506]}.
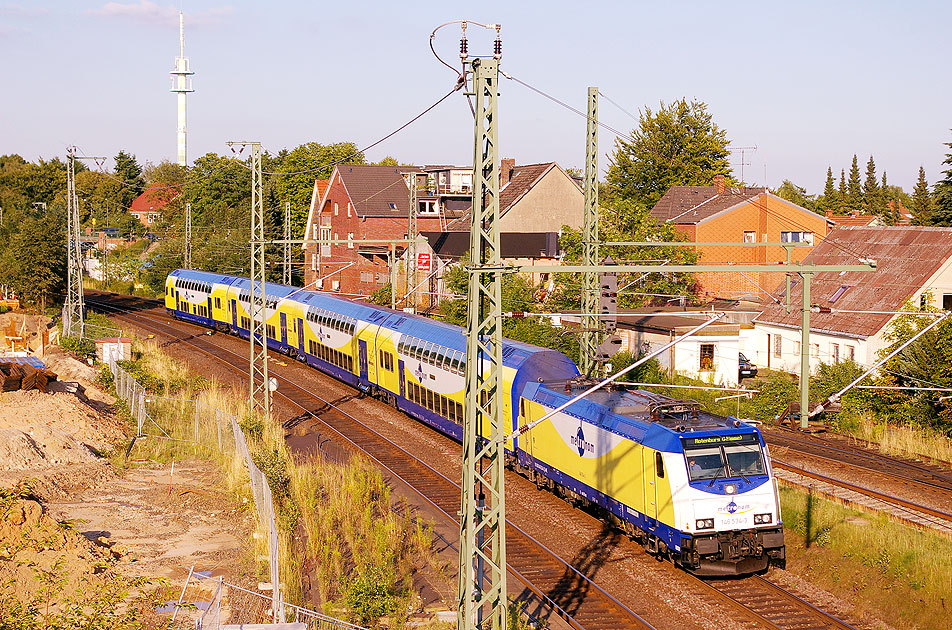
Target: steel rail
{"type": "Point", "coordinates": [603, 616]}
{"type": "Point", "coordinates": [891, 462]}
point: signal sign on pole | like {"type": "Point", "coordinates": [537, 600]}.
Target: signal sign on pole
{"type": "Point", "coordinates": [424, 262]}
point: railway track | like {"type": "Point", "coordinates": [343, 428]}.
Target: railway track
{"type": "Point", "coordinates": [902, 470]}
{"type": "Point", "coordinates": [774, 606]}
{"type": "Point", "coordinates": [571, 595]}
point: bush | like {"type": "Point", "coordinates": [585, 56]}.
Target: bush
{"type": "Point", "coordinates": [368, 595]}
{"type": "Point", "coordinates": [78, 346]}
{"type": "Point", "coordinates": [775, 394]}
{"type": "Point", "coordinates": [648, 372]}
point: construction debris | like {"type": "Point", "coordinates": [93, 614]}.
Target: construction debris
{"type": "Point", "coordinates": [16, 375]}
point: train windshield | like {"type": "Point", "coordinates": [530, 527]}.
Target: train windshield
{"type": "Point", "coordinates": [735, 456]}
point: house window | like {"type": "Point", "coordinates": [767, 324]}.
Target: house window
{"type": "Point", "coordinates": [947, 302]}
{"type": "Point", "coordinates": [366, 276]}
{"type": "Point", "coordinates": [797, 348]}
{"type": "Point", "coordinates": [392, 205]}
{"type": "Point", "coordinates": [797, 237]}
{"type": "Point", "coordinates": [851, 353]}
{"type": "Point", "coordinates": [777, 345]}
{"type": "Point", "coordinates": [835, 352]}
{"type": "Point", "coordinates": [750, 236]}
{"type": "Point", "coordinates": [350, 240]}
{"type": "Point", "coordinates": [707, 356]}
{"type": "Point", "coordinates": [348, 208]}
{"type": "Point", "coordinates": [336, 209]}
{"type": "Point", "coordinates": [815, 350]}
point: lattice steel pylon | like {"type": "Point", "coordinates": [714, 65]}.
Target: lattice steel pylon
{"type": "Point", "coordinates": [411, 243]}
{"type": "Point", "coordinates": [589, 320]}
{"type": "Point", "coordinates": [482, 561]}
{"type": "Point", "coordinates": [259, 392]}
{"type": "Point", "coordinates": [188, 236]}
{"type": "Point", "coordinates": [74, 306]}
{"type": "Point", "coordinates": [286, 275]}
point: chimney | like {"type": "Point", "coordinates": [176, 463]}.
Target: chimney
{"type": "Point", "coordinates": [506, 166]}
{"type": "Point", "coordinates": [719, 184]}
{"type": "Point", "coordinates": [829, 214]}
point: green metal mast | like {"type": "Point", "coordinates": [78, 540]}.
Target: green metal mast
{"type": "Point", "coordinates": [589, 320]}
{"type": "Point", "coordinates": [73, 306]}
{"type": "Point", "coordinates": [286, 275]}
{"type": "Point", "coordinates": [187, 263]}
{"type": "Point", "coordinates": [259, 391]}
{"type": "Point", "coordinates": [482, 559]}
{"type": "Point", "coordinates": [804, 352]}
{"type": "Point", "coordinates": [411, 244]}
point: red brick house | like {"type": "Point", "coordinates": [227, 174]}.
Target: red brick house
{"type": "Point", "coordinates": [361, 202]}
{"type": "Point", "coordinates": [723, 214]}
{"type": "Point", "coordinates": [148, 206]}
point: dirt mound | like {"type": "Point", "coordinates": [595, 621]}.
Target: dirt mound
{"type": "Point", "coordinates": [40, 558]}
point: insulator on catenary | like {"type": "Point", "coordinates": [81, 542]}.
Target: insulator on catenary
{"type": "Point", "coordinates": [497, 48]}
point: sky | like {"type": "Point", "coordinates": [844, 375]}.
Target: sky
{"type": "Point", "coordinates": [807, 83]}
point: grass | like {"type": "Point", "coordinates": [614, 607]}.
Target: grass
{"type": "Point", "coordinates": [902, 440]}
{"type": "Point", "coordinates": [900, 574]}
{"type": "Point", "coordinates": [364, 546]}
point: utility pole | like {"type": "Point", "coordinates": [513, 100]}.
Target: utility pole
{"type": "Point", "coordinates": [259, 390]}
{"type": "Point", "coordinates": [286, 277]}
{"type": "Point", "coordinates": [482, 560]}
{"type": "Point", "coordinates": [589, 319]}
{"type": "Point", "coordinates": [74, 308]}
{"type": "Point", "coordinates": [188, 236]}
{"type": "Point", "coordinates": [411, 244]}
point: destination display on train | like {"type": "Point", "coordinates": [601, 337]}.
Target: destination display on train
{"type": "Point", "coordinates": [720, 440]}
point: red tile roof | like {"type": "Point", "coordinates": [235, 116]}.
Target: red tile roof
{"type": "Point", "coordinates": [379, 191]}
{"type": "Point", "coordinates": [154, 198]}
{"type": "Point", "coordinates": [854, 219]}
{"type": "Point", "coordinates": [693, 204]}
{"type": "Point", "coordinates": [906, 258]}
{"type": "Point", "coordinates": [523, 179]}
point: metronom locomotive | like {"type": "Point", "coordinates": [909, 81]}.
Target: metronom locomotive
{"type": "Point", "coordinates": [692, 486]}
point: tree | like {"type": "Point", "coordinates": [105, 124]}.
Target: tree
{"type": "Point", "coordinates": [842, 194]}
{"type": "Point", "coordinates": [625, 220]}
{"type": "Point", "coordinates": [942, 205]}
{"type": "Point", "coordinates": [130, 174]}
{"type": "Point", "coordinates": [678, 146]}
{"type": "Point", "coordinates": [797, 194]}
{"type": "Point", "coordinates": [33, 261]}
{"type": "Point", "coordinates": [921, 200]}
{"type": "Point", "coordinates": [854, 196]}
{"type": "Point", "coordinates": [303, 165]}
{"type": "Point", "coordinates": [872, 199]}
{"type": "Point", "coordinates": [828, 202]}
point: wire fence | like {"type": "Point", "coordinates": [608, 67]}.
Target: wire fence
{"type": "Point", "coordinates": [213, 428]}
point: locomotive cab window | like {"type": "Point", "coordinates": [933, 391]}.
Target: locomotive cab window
{"type": "Point", "coordinates": [659, 465]}
{"type": "Point", "coordinates": [724, 456]}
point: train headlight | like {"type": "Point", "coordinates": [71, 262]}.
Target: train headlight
{"type": "Point", "coordinates": [705, 523]}
{"type": "Point", "coordinates": [730, 489]}
{"type": "Point", "coordinates": [762, 519]}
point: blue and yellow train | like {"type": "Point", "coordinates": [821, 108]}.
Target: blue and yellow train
{"type": "Point", "coordinates": [692, 486]}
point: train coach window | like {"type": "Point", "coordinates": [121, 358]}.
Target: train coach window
{"type": "Point", "coordinates": [659, 465]}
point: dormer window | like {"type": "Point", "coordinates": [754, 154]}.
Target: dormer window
{"type": "Point", "coordinates": [392, 205]}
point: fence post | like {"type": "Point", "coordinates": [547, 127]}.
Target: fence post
{"type": "Point", "coordinates": [196, 419]}
{"type": "Point", "coordinates": [141, 410]}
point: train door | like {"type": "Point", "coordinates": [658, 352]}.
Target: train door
{"type": "Point", "coordinates": [650, 460]}
{"type": "Point", "coordinates": [403, 378]}
{"type": "Point", "coordinates": [284, 329]}
{"type": "Point", "coordinates": [178, 304]}
{"type": "Point", "coordinates": [234, 313]}
{"type": "Point", "coordinates": [362, 351]}
{"type": "Point", "coordinates": [300, 330]}
{"type": "Point", "coordinates": [210, 307]}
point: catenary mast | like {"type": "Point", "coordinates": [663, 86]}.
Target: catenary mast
{"type": "Point", "coordinates": [181, 85]}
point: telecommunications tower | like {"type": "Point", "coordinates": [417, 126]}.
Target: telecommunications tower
{"type": "Point", "coordinates": [181, 85]}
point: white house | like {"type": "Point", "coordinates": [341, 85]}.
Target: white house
{"type": "Point", "coordinates": [914, 264]}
